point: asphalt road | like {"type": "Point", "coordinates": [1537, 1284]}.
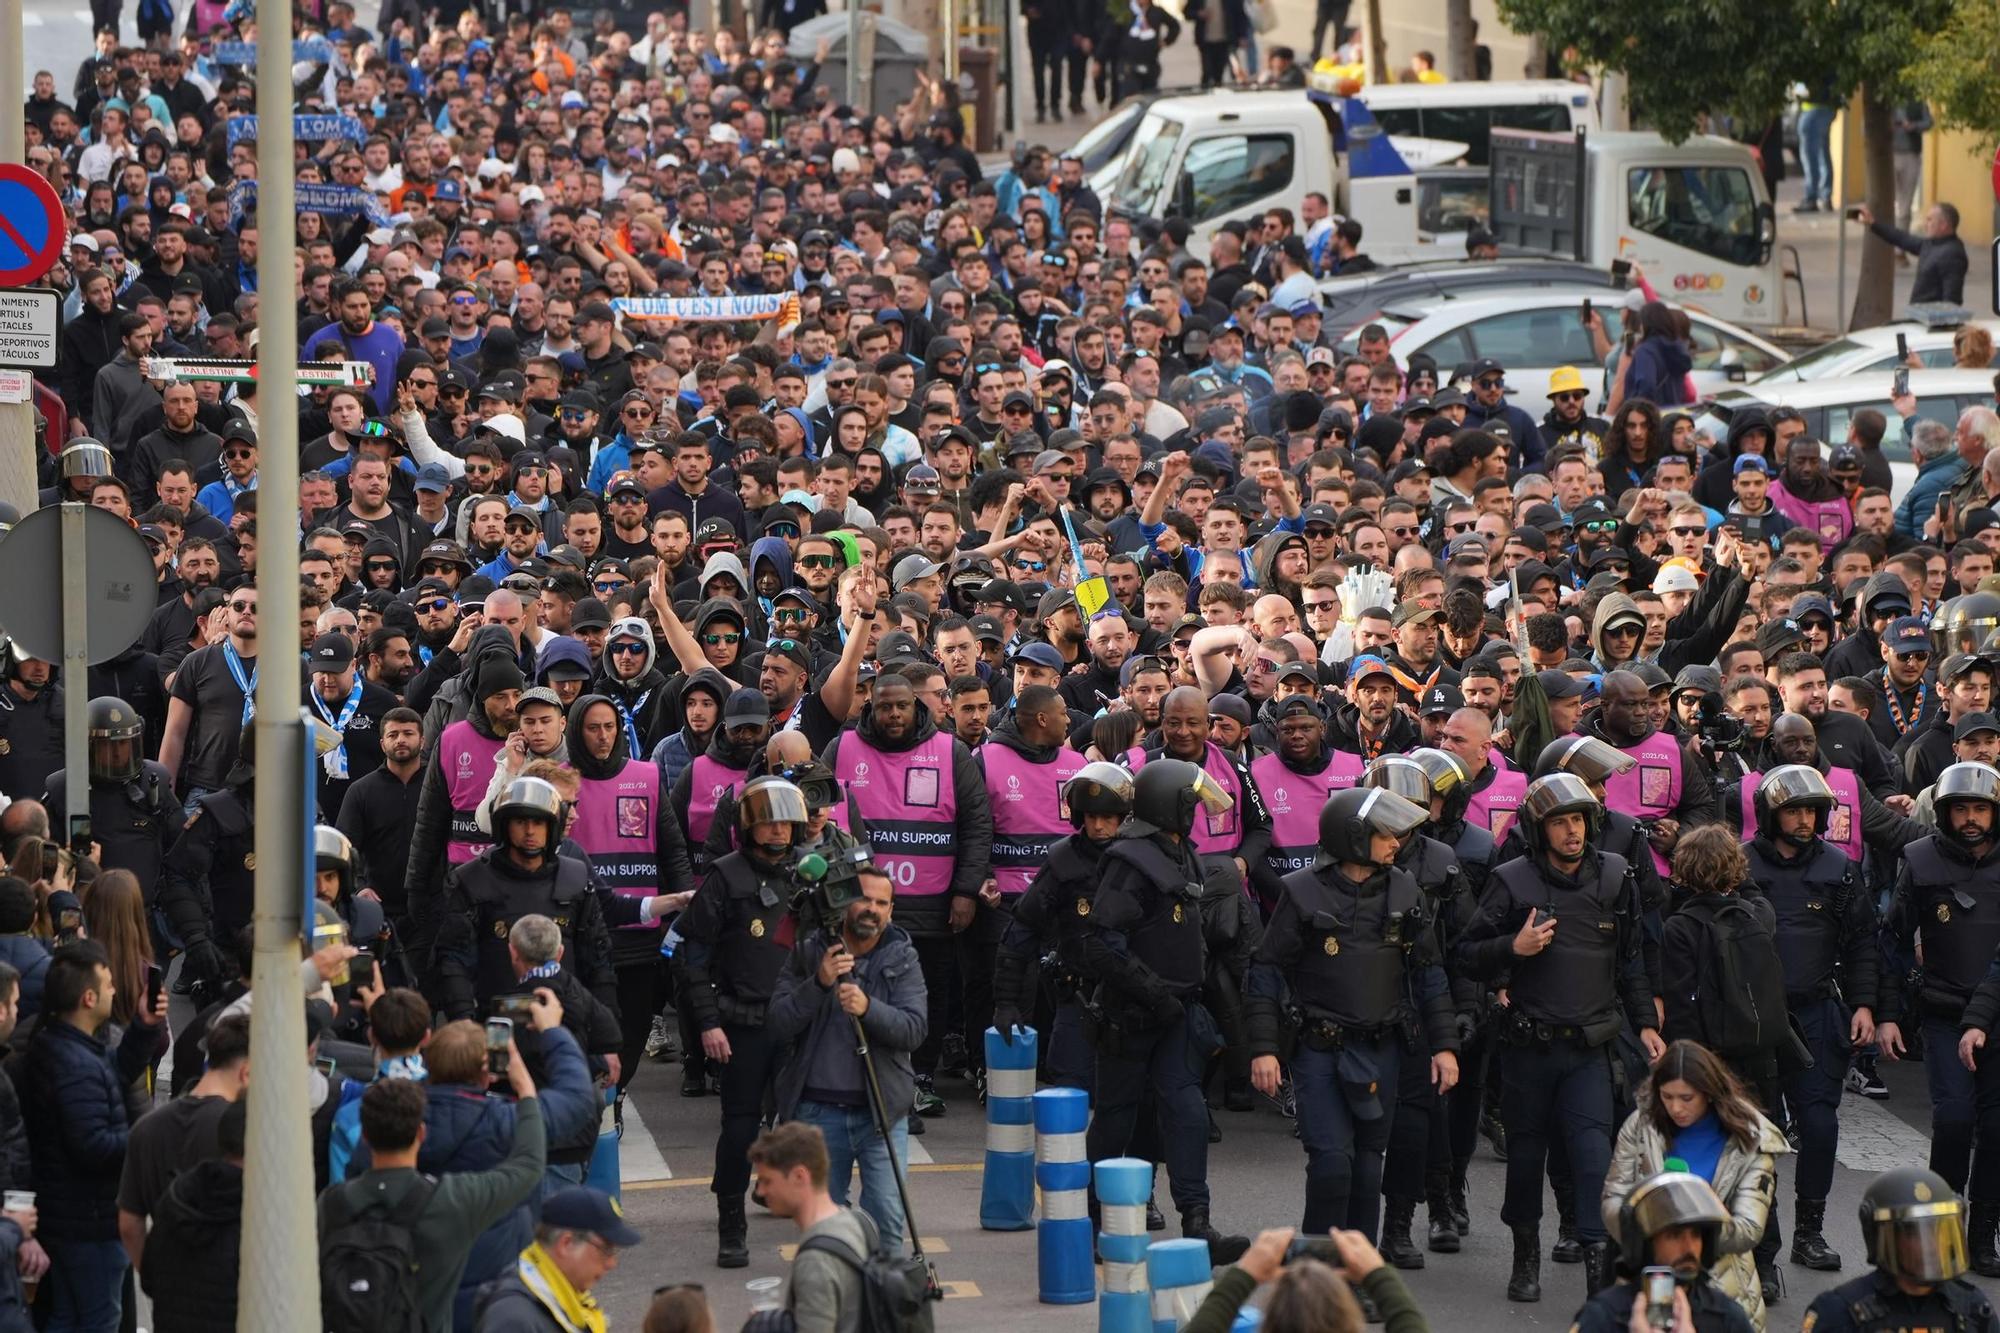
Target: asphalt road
{"type": "Point", "coordinates": [1257, 1178]}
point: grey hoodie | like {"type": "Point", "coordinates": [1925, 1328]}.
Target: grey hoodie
{"type": "Point", "coordinates": [1614, 606]}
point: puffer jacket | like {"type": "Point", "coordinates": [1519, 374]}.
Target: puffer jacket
{"type": "Point", "coordinates": [1745, 1181]}
{"type": "Point", "coordinates": [190, 1266]}
{"type": "Point", "coordinates": [73, 1089]}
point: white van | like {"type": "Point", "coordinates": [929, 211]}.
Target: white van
{"type": "Point", "coordinates": [1467, 113]}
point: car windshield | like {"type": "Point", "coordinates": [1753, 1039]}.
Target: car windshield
{"type": "Point", "coordinates": [1819, 361]}
{"type": "Point", "coordinates": [1143, 185]}
{"type": "Point", "coordinates": [1108, 137]}
{"type": "Point", "coordinates": [1710, 210]}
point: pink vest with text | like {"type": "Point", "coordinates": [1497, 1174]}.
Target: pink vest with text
{"type": "Point", "coordinates": [1653, 789]}
{"type": "Point", "coordinates": [1493, 808]}
{"type": "Point", "coordinates": [1027, 810]}
{"type": "Point", "coordinates": [466, 757]}
{"type": "Point", "coordinates": [615, 823]}
{"type": "Point", "coordinates": [911, 806]}
{"type": "Point", "coordinates": [1294, 800]}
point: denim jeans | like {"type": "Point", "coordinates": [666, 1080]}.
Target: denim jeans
{"type": "Point", "coordinates": [88, 1277]}
{"type": "Point", "coordinates": [1816, 152]}
{"type": "Point", "coordinates": [852, 1140]}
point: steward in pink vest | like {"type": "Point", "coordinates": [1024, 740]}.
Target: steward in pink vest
{"type": "Point", "coordinates": [1294, 785]}
{"type": "Point", "coordinates": [1668, 781]}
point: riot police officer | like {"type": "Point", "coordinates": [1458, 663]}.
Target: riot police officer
{"type": "Point", "coordinates": [1827, 947]}
{"type": "Point", "coordinates": [133, 814]}
{"type": "Point", "coordinates": [1562, 925]}
{"type": "Point", "coordinates": [1053, 915]}
{"type": "Point", "coordinates": [1914, 1227]}
{"type": "Point", "coordinates": [337, 870]}
{"type": "Point", "coordinates": [1146, 950]}
{"type": "Point", "coordinates": [1948, 897]}
{"type": "Point", "coordinates": [1351, 943]}
{"type": "Point", "coordinates": [1419, 1111]}
{"type": "Point", "coordinates": [208, 885]}
{"type": "Point", "coordinates": [1673, 1220]}
{"type": "Point", "coordinates": [736, 936]}
{"type": "Point", "coordinates": [522, 873]}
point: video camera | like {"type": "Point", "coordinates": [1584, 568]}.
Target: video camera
{"type": "Point", "coordinates": [1720, 733]}
{"type": "Point", "coordinates": [825, 883]}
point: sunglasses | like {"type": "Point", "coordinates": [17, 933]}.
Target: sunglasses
{"type": "Point", "coordinates": [379, 564]}
{"type": "Point", "coordinates": [819, 561]}
{"type": "Point", "coordinates": [573, 414]}
{"type": "Point", "coordinates": [416, 383]}
{"type": "Point", "coordinates": [478, 473]}
{"type": "Point", "coordinates": [432, 608]}
{"type": "Point", "coordinates": [1622, 632]}
{"type": "Point", "coordinates": [518, 525]}
{"type": "Point", "coordinates": [1033, 566]}
{"type": "Point", "coordinates": [239, 453]}
{"type": "Point", "coordinates": [717, 640]}
{"type": "Point", "coordinates": [625, 647]}
{"type": "Point", "coordinates": [1571, 396]}
{"type": "Point", "coordinates": [463, 299]}
{"type": "Point", "coordinates": [609, 585]}
{"type": "Point", "coordinates": [1689, 532]}
{"type": "Point", "coordinates": [1601, 525]}
{"type": "Point", "coordinates": [789, 613]}
{"type": "Point", "coordinates": [243, 606]}
{"type": "Point", "coordinates": [1320, 531]}
{"type": "Point", "coordinates": [1457, 528]}
{"type": "Point", "coordinates": [1920, 655]}
{"type": "Point", "coordinates": [1491, 382]}
{"type": "Point", "coordinates": [1402, 532]}
{"type": "Point", "coordinates": [1328, 604]}
{"type": "Point", "coordinates": [642, 413]}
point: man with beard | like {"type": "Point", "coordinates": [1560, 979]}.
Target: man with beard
{"type": "Point", "coordinates": [1110, 641]}
{"type": "Point", "coordinates": [1369, 724]}
{"type": "Point", "coordinates": [628, 828]}
{"type": "Point", "coordinates": [360, 338]}
{"type": "Point", "coordinates": [1843, 738]}
{"type": "Point", "coordinates": [198, 566]}
{"type": "Point", "coordinates": [1294, 783]}
{"type": "Point", "coordinates": [379, 811]}
{"type": "Point", "coordinates": [626, 500]}
{"type": "Point", "coordinates": [181, 436]}
{"type": "Point", "coordinates": [1884, 599]}
{"type": "Point", "coordinates": [1569, 421]}
{"type": "Point", "coordinates": [1670, 785]}
{"type": "Point", "coordinates": [931, 826]}
{"type": "Point", "coordinates": [630, 681]}
{"type": "Point", "coordinates": [212, 699]}
{"type": "Point", "coordinates": [1413, 663]}
{"type": "Point", "coordinates": [437, 620]}
{"type": "Point", "coordinates": [732, 747]}
{"type": "Point", "coordinates": [387, 661]}
{"type": "Point", "coordinates": [351, 707]}
{"type": "Point", "coordinates": [1856, 820]}
{"type": "Point", "coordinates": [1811, 499]}
{"type": "Point", "coordinates": [1946, 911]}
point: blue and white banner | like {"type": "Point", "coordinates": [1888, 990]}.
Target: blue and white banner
{"type": "Point", "coordinates": [780, 306]}
{"type": "Point", "coordinates": [309, 129]}
{"type": "Point", "coordinates": [312, 197]}
{"type": "Point", "coordinates": [314, 50]}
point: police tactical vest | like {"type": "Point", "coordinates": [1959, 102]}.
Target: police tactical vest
{"type": "Point", "coordinates": [750, 950]}
{"type": "Point", "coordinates": [1574, 981]}
{"type": "Point", "coordinates": [1809, 896]}
{"type": "Point", "coordinates": [498, 901]}
{"type": "Point", "coordinates": [1355, 943]}
{"type": "Point", "coordinates": [1957, 909]}
{"type": "Point", "coordinates": [1168, 937]}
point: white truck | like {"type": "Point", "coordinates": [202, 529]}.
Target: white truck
{"type": "Point", "coordinates": [1695, 214]}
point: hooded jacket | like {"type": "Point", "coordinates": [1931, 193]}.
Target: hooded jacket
{"type": "Point", "coordinates": [562, 648]}
{"type": "Point", "coordinates": [191, 1264]}
{"type": "Point", "coordinates": [1814, 502]}
{"type": "Point", "coordinates": [1659, 371]}
{"type": "Point", "coordinates": [1615, 606]}
{"type": "Point", "coordinates": [775, 552]}
{"type": "Point", "coordinates": [1716, 486]}
{"type": "Point", "coordinates": [805, 1018]}
{"type": "Point", "coordinates": [725, 562]}
{"type": "Point", "coordinates": [677, 750]}
{"type": "Point", "coordinates": [1860, 653]}
{"type": "Point", "coordinates": [973, 844]}
{"type": "Point", "coordinates": [442, 691]}
{"type": "Point", "coordinates": [746, 759]}
{"type": "Point", "coordinates": [675, 871]}
{"type": "Point", "coordinates": [638, 699]}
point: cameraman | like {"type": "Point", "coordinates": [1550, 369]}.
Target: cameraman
{"type": "Point", "coordinates": [869, 974]}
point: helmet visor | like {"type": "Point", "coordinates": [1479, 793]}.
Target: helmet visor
{"type": "Point", "coordinates": [1387, 812]}
{"type": "Point", "coordinates": [1676, 1199]}
{"type": "Point", "coordinates": [1794, 784]}
{"type": "Point", "coordinates": [1971, 782]}
{"type": "Point", "coordinates": [1922, 1242]}
{"type": "Point", "coordinates": [1211, 795]}
{"type": "Point", "coordinates": [1403, 776]}
{"type": "Point", "coordinates": [1594, 761]}
{"type": "Point", "coordinates": [1099, 789]}
{"type": "Point", "coordinates": [772, 803]}
{"type": "Point", "coordinates": [1556, 794]}
{"type": "Point", "coordinates": [1445, 770]}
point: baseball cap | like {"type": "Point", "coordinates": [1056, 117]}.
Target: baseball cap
{"type": "Point", "coordinates": [1778, 635]}
{"type": "Point", "coordinates": [541, 694]}
{"type": "Point", "coordinates": [1052, 601]}
{"type": "Point", "coordinates": [987, 629]}
{"type": "Point", "coordinates": [581, 1208]}
{"type": "Point", "coordinates": [899, 646]}
{"type": "Point", "coordinates": [1295, 705]}
{"type": "Point", "coordinates": [432, 477]}
{"type": "Point", "coordinates": [1037, 654]}
{"type": "Point", "coordinates": [1973, 723]}
{"type": "Point", "coordinates": [332, 652]}
{"type": "Point", "coordinates": [1366, 665]}
{"type": "Point", "coordinates": [1906, 634]}
{"type": "Point", "coordinates": [1559, 684]}
{"type": "Point", "coordinates": [1412, 613]}
{"type": "Point", "coordinates": [1754, 461]}
{"type": "Point", "coordinates": [746, 708]}
{"type": "Point", "coordinates": [1441, 698]}
{"type": "Point", "coordinates": [1545, 517]}
{"type": "Point", "coordinates": [1675, 576]}
{"type": "Point", "coordinates": [1958, 664]}
{"type": "Point", "coordinates": [912, 567]}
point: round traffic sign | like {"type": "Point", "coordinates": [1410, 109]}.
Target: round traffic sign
{"type": "Point", "coordinates": [121, 589]}
{"type": "Point", "coordinates": [32, 229]}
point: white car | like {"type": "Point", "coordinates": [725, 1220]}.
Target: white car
{"type": "Point", "coordinates": [1532, 331]}
{"type": "Point", "coordinates": [1874, 350]}
{"type": "Point", "coordinates": [1829, 405]}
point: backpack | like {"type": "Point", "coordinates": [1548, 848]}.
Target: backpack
{"type": "Point", "coordinates": [1741, 1001]}
{"type": "Point", "coordinates": [896, 1292]}
{"type": "Point", "coordinates": [368, 1264]}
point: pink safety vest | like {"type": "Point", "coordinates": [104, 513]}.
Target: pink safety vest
{"type": "Point", "coordinates": [1344, 772]}
{"type": "Point", "coordinates": [1027, 810]}
{"type": "Point", "coordinates": [1653, 789]}
{"type": "Point", "coordinates": [1294, 801]}
{"type": "Point", "coordinates": [911, 806]}
{"type": "Point", "coordinates": [1217, 835]}
{"type": "Point", "coordinates": [707, 780]}
{"type": "Point", "coordinates": [1843, 823]}
{"type": "Point", "coordinates": [466, 757]}
{"type": "Point", "coordinates": [616, 823]}
{"type": "Point", "coordinates": [1493, 807]}
{"type": "Point", "coordinates": [1832, 520]}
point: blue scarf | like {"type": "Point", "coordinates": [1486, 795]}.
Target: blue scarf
{"type": "Point", "coordinates": [246, 683]}
{"type": "Point", "coordinates": [334, 761]}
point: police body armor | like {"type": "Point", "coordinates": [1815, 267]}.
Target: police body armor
{"type": "Point", "coordinates": [213, 871]}
{"type": "Point", "coordinates": [1353, 968]}
{"type": "Point", "coordinates": [1957, 909]}
{"type": "Point", "coordinates": [1810, 897]}
{"type": "Point", "coordinates": [740, 969]}
{"type": "Point", "coordinates": [498, 901]}
{"type": "Point", "coordinates": [1056, 911]}
{"type": "Point", "coordinates": [1168, 939]}
{"type": "Point", "coordinates": [126, 818]}
{"type": "Point", "coordinates": [1573, 983]}
{"type": "Point", "coordinates": [1475, 849]}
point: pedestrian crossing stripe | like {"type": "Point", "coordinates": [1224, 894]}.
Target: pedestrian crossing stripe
{"type": "Point", "coordinates": [641, 1164]}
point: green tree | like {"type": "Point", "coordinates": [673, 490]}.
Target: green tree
{"type": "Point", "coordinates": [1964, 93]}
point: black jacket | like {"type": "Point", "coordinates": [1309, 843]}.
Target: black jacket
{"type": "Point", "coordinates": [73, 1088]}
{"type": "Point", "coordinates": [1941, 263]}
{"type": "Point", "coordinates": [1610, 1310]}
{"type": "Point", "coordinates": [191, 1260]}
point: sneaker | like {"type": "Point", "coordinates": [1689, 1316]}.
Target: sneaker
{"type": "Point", "coordinates": [1285, 1100]}
{"type": "Point", "coordinates": [929, 1104]}
{"type": "Point", "coordinates": [914, 1125]}
{"type": "Point", "coordinates": [952, 1059]}
{"type": "Point", "coordinates": [660, 1039]}
{"type": "Point", "coordinates": [1867, 1083]}
{"type": "Point", "coordinates": [977, 1078]}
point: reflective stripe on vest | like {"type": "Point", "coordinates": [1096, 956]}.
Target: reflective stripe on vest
{"type": "Point", "coordinates": [707, 780]}
{"type": "Point", "coordinates": [1294, 801]}
{"type": "Point", "coordinates": [616, 822]}
{"type": "Point", "coordinates": [1493, 807]}
{"type": "Point", "coordinates": [1027, 810]}
{"type": "Point", "coordinates": [1653, 789]}
{"type": "Point", "coordinates": [911, 807]}
{"type": "Point", "coordinates": [466, 757]}
{"type": "Point", "coordinates": [1843, 822]}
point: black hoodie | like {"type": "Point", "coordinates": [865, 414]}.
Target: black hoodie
{"type": "Point", "coordinates": [629, 947]}
{"type": "Point", "coordinates": [191, 1262]}
{"type": "Point", "coordinates": [1716, 486]}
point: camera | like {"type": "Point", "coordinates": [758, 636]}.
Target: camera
{"type": "Point", "coordinates": [825, 883]}
{"type": "Point", "coordinates": [1720, 733]}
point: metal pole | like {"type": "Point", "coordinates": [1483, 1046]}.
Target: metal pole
{"type": "Point", "coordinates": [1840, 222]}
{"type": "Point", "coordinates": [17, 420]}
{"type": "Point", "coordinates": [949, 24]}
{"type": "Point", "coordinates": [854, 54]}
{"type": "Point", "coordinates": [75, 666]}
{"type": "Point", "coordinates": [279, 1287]}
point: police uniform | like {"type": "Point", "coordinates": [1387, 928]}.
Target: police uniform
{"type": "Point", "coordinates": [1914, 1229]}
{"type": "Point", "coordinates": [1343, 960]}
{"type": "Point", "coordinates": [135, 821]}
{"type": "Point", "coordinates": [1047, 928]}
{"type": "Point", "coordinates": [1873, 1303]}
{"type": "Point", "coordinates": [208, 884]}
{"type": "Point", "coordinates": [483, 900]}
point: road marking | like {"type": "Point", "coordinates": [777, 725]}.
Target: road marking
{"type": "Point", "coordinates": [1874, 1138]}
{"type": "Point", "coordinates": [639, 1157]}
{"type": "Point", "coordinates": [689, 1182]}
{"type": "Point", "coordinates": [960, 1291]}
{"type": "Point", "coordinates": [920, 1155]}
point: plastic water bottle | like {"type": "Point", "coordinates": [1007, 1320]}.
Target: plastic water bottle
{"type": "Point", "coordinates": [671, 942]}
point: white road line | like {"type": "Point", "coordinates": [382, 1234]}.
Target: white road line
{"type": "Point", "coordinates": [1874, 1138]}
{"type": "Point", "coordinates": [919, 1156]}
{"type": "Point", "coordinates": [639, 1157]}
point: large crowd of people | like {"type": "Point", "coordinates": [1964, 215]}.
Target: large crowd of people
{"type": "Point", "coordinates": [766, 575]}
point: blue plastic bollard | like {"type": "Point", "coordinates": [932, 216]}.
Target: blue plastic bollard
{"type": "Point", "coordinates": [602, 1173]}
{"type": "Point", "coordinates": [1007, 1189]}
{"type": "Point", "coordinates": [1062, 1239]}
{"type": "Point", "coordinates": [1123, 1184]}
{"type": "Point", "coordinates": [1179, 1273]}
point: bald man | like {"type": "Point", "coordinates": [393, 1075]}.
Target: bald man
{"type": "Point", "coordinates": [1497, 788]}
{"type": "Point", "coordinates": [1670, 787]}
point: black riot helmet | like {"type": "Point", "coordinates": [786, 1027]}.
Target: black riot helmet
{"type": "Point", "coordinates": [332, 851]}
{"type": "Point", "coordinates": [115, 732]}
{"type": "Point", "coordinates": [1668, 1200]}
{"type": "Point", "coordinates": [1914, 1226]}
{"type": "Point", "coordinates": [1449, 780]}
{"type": "Point", "coordinates": [1348, 822]}
{"type": "Point", "coordinates": [1787, 787]}
{"type": "Point", "coordinates": [1587, 757]}
{"type": "Point", "coordinates": [1963, 624]}
{"type": "Point", "coordinates": [1167, 792]}
{"type": "Point", "coordinates": [1966, 782]}
{"type": "Point", "coordinates": [1402, 775]}
{"type": "Point", "coordinates": [770, 800]}
{"type": "Point", "coordinates": [531, 798]}
{"type": "Point", "coordinates": [1557, 794]}
{"type": "Point", "coordinates": [1098, 789]}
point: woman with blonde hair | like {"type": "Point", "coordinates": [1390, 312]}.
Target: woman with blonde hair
{"type": "Point", "coordinates": [1971, 348]}
{"type": "Point", "coordinates": [1693, 1115]}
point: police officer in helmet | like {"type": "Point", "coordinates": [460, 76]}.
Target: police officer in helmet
{"type": "Point", "coordinates": [1674, 1221]}
{"type": "Point", "coordinates": [1826, 935]}
{"type": "Point", "coordinates": [521, 874]}
{"type": "Point", "coordinates": [133, 814]}
{"type": "Point", "coordinates": [1562, 926]}
{"type": "Point", "coordinates": [1946, 911]}
{"type": "Point", "coordinates": [1914, 1228]}
{"type": "Point", "coordinates": [1351, 955]}
{"type": "Point", "coordinates": [736, 936]}
{"type": "Point", "coordinates": [1147, 952]}
{"type": "Point", "coordinates": [337, 870]}
{"type": "Point", "coordinates": [208, 884]}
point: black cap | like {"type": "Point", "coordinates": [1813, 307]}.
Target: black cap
{"type": "Point", "coordinates": [1441, 698]}
{"type": "Point", "coordinates": [1972, 723]}
{"type": "Point", "coordinates": [1559, 684]}
{"type": "Point", "coordinates": [332, 652]}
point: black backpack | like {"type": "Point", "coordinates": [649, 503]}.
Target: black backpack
{"type": "Point", "coordinates": [1741, 1001]}
{"type": "Point", "coordinates": [896, 1291]}
{"type": "Point", "coordinates": [368, 1263]}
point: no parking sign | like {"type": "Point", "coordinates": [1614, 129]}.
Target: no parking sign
{"type": "Point", "coordinates": [32, 230]}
